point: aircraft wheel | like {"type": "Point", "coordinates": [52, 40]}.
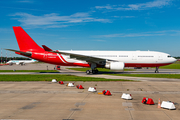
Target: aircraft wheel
{"type": "Point", "coordinates": [88, 72]}
{"type": "Point", "coordinates": [93, 71]}
{"type": "Point", "coordinates": [96, 71]}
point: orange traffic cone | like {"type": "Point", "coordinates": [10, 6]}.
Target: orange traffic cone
{"type": "Point", "coordinates": [159, 103]}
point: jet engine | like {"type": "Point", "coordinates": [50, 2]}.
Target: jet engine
{"type": "Point", "coordinates": [115, 65]}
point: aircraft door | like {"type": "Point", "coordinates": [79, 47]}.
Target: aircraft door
{"type": "Point", "coordinates": [160, 57]}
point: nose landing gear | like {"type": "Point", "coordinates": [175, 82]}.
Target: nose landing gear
{"type": "Point", "coordinates": [157, 71]}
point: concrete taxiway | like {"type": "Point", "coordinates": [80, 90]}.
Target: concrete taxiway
{"type": "Point", "coordinates": [44, 66]}
{"type": "Point", "coordinates": [46, 100]}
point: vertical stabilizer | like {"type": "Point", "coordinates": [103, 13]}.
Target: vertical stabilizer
{"type": "Point", "coordinates": [25, 42]}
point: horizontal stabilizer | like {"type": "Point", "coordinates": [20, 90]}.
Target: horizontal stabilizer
{"type": "Point", "coordinates": [21, 52]}
{"type": "Point", "coordinates": [46, 48]}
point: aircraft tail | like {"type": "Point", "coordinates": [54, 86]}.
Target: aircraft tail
{"type": "Point", "coordinates": [25, 42]}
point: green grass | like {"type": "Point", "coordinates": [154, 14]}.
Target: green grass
{"type": "Point", "coordinates": [39, 71]}
{"type": "Point", "coordinates": [175, 76]}
{"type": "Point", "coordinates": [175, 65]}
{"type": "Point", "coordinates": [50, 77]}
{"type": "Point", "coordinates": [99, 69]}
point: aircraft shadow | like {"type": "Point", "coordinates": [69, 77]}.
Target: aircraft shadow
{"type": "Point", "coordinates": [49, 72]}
{"type": "Point", "coordinates": [105, 72]}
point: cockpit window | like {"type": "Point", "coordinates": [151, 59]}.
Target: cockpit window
{"type": "Point", "coordinates": [168, 56]}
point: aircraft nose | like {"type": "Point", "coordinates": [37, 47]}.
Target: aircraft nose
{"type": "Point", "coordinates": [174, 60]}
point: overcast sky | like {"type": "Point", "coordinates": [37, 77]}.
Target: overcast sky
{"type": "Point", "coordinates": [122, 25]}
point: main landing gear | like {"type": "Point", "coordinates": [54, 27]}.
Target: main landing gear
{"type": "Point", "coordinates": [157, 71]}
{"type": "Point", "coordinates": [92, 71]}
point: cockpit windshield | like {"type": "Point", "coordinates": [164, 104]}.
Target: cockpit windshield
{"type": "Point", "coordinates": [169, 56]}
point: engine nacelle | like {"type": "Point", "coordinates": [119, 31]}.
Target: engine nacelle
{"type": "Point", "coordinates": [115, 65]}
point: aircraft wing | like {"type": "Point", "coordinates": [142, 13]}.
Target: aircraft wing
{"type": "Point", "coordinates": [86, 58]}
{"type": "Point", "coordinates": [21, 52]}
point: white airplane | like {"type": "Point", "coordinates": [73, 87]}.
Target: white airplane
{"type": "Point", "coordinates": [114, 60]}
{"type": "Point", "coordinates": [20, 62]}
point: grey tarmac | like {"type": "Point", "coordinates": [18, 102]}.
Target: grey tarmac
{"type": "Point", "coordinates": [46, 100]}
{"type": "Point", "coordinates": [64, 70]}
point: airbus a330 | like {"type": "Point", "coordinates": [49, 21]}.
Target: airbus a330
{"type": "Point", "coordinates": [114, 60]}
